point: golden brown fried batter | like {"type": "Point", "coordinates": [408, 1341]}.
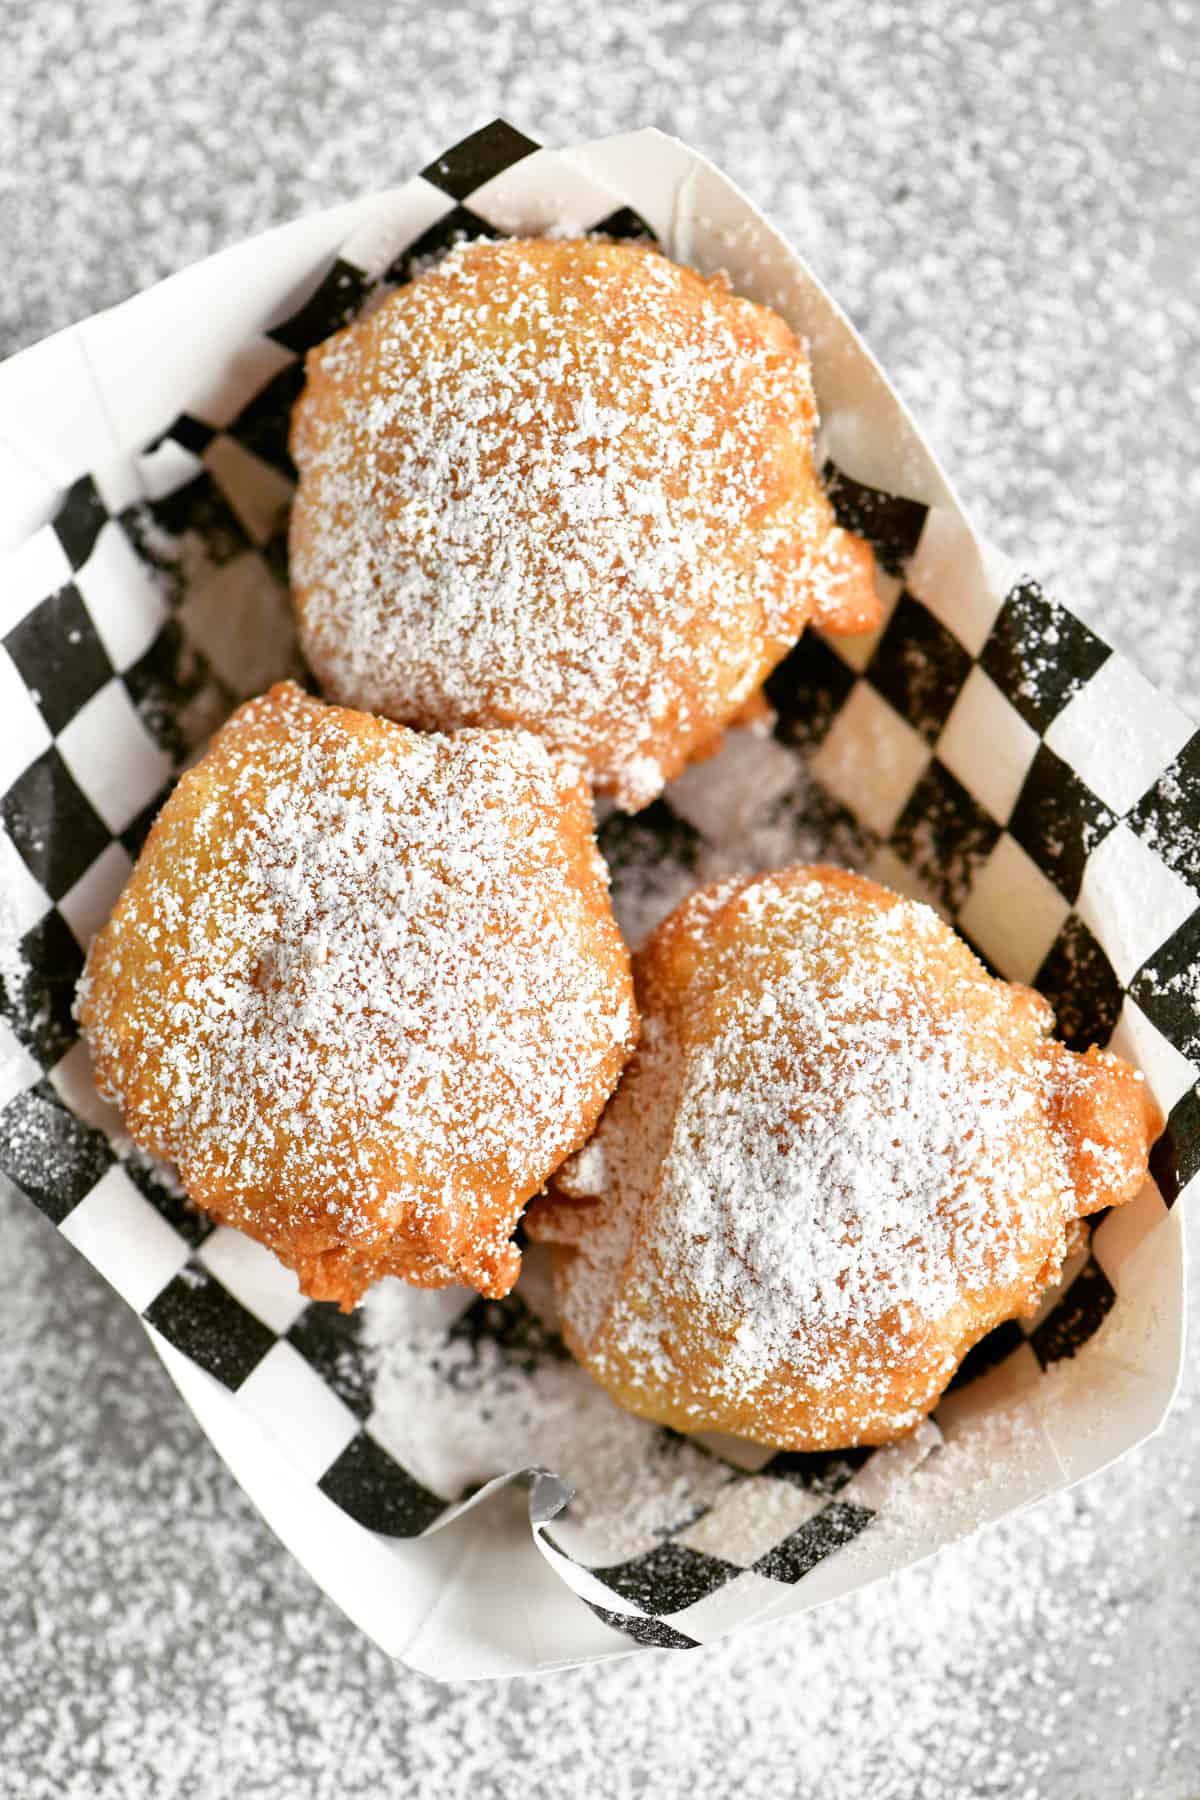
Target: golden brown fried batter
{"type": "Point", "coordinates": [365, 989]}
{"type": "Point", "coordinates": [566, 485]}
{"type": "Point", "coordinates": [841, 1155]}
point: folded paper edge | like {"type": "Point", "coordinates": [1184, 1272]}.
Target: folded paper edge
{"type": "Point", "coordinates": [645, 136]}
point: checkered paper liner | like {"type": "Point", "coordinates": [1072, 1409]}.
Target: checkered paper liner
{"type": "Point", "coordinates": [989, 752]}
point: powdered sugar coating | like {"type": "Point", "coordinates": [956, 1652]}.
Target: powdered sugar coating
{"type": "Point", "coordinates": [566, 485]}
{"type": "Point", "coordinates": [365, 988]}
{"type": "Point", "coordinates": [1005, 1666]}
{"type": "Point", "coordinates": [842, 1154]}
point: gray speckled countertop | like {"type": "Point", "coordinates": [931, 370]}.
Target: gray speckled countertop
{"type": "Point", "coordinates": [1004, 198]}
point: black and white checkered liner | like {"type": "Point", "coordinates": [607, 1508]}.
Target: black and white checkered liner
{"type": "Point", "coordinates": [981, 742]}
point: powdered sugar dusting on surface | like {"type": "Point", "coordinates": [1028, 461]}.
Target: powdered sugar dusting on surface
{"type": "Point", "coordinates": [370, 985]}
{"type": "Point", "coordinates": [459, 1402]}
{"type": "Point", "coordinates": [566, 485]}
{"type": "Point", "coordinates": [14, 982]}
{"type": "Point", "coordinates": [900, 1113]}
{"type": "Point", "coordinates": [838, 1134]}
{"type": "Point", "coordinates": [134, 1571]}
{"type": "Point", "coordinates": [994, 275]}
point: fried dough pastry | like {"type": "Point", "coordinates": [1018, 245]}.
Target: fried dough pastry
{"type": "Point", "coordinates": [365, 989]}
{"type": "Point", "coordinates": [566, 485]}
{"type": "Point", "coordinates": [841, 1155]}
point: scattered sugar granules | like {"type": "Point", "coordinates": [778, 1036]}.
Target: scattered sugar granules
{"type": "Point", "coordinates": [1003, 198]}
{"type": "Point", "coordinates": [458, 1401]}
{"type": "Point", "coordinates": [159, 1644]}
